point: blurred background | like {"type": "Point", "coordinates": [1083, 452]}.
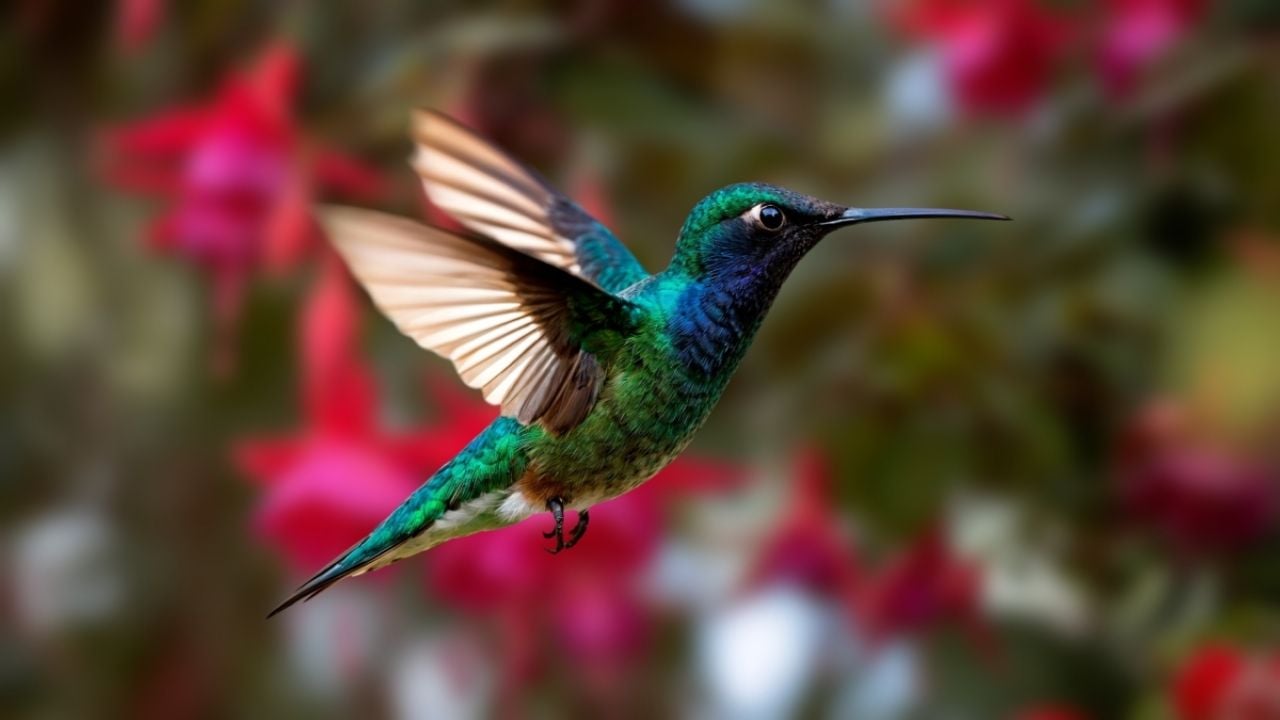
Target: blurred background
{"type": "Point", "coordinates": [968, 470]}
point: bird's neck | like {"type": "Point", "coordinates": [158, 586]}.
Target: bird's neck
{"type": "Point", "coordinates": [714, 319]}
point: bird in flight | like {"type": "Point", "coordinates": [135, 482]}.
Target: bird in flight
{"type": "Point", "coordinates": [603, 371]}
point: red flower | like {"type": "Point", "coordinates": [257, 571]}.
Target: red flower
{"type": "Point", "coordinates": [238, 174]}
{"type": "Point", "coordinates": [1135, 33]}
{"type": "Point", "coordinates": [327, 487]}
{"type": "Point", "coordinates": [925, 585]}
{"type": "Point", "coordinates": [1197, 492]}
{"type": "Point", "coordinates": [1219, 682]}
{"type": "Point", "coordinates": [810, 547]}
{"type": "Point", "coordinates": [999, 56]}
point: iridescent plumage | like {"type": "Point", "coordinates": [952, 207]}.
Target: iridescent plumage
{"type": "Point", "coordinates": [603, 372]}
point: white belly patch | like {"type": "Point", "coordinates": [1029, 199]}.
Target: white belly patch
{"type": "Point", "coordinates": [516, 507]}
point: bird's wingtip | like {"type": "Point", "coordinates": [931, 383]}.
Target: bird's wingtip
{"type": "Point", "coordinates": [422, 119]}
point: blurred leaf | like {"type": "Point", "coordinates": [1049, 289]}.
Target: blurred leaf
{"type": "Point", "coordinates": [1226, 351]}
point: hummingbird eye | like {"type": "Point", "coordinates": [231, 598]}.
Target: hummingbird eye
{"type": "Point", "coordinates": [770, 217]}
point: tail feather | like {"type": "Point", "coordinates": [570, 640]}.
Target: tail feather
{"type": "Point", "coordinates": [489, 462]}
{"type": "Point", "coordinates": [332, 573]}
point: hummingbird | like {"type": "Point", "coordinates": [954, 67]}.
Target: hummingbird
{"type": "Point", "coordinates": [603, 371]}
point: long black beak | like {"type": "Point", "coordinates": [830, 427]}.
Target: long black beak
{"type": "Point", "coordinates": [853, 216]}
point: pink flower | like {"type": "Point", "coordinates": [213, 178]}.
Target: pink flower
{"type": "Point", "coordinates": [328, 486]}
{"type": "Point", "coordinates": [314, 508]}
{"type": "Point", "coordinates": [1221, 681]}
{"type": "Point", "coordinates": [1136, 33]}
{"type": "Point", "coordinates": [238, 175]}
{"type": "Point", "coordinates": [600, 628]}
{"type": "Point", "coordinates": [999, 56]}
{"type": "Point", "coordinates": [1200, 494]}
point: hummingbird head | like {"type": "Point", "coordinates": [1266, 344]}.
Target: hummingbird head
{"type": "Point", "coordinates": [758, 231]}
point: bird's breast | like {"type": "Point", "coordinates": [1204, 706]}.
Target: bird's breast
{"type": "Point", "coordinates": [647, 412]}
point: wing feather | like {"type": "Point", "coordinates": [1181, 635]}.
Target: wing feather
{"type": "Point", "coordinates": [515, 327]}
{"type": "Point", "coordinates": [494, 195]}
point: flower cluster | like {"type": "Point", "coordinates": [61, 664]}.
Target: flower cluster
{"type": "Point", "coordinates": [1225, 681]}
{"type": "Point", "coordinates": [1203, 494]}
{"type": "Point", "coordinates": [239, 177]}
{"type": "Point", "coordinates": [1000, 57]}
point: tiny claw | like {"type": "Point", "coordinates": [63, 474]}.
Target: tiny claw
{"type": "Point", "coordinates": [556, 506]}
{"type": "Point", "coordinates": [559, 545]}
{"type": "Point", "coordinates": [579, 529]}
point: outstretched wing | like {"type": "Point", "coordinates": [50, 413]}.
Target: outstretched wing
{"type": "Point", "coordinates": [496, 196]}
{"type": "Point", "coordinates": [528, 334]}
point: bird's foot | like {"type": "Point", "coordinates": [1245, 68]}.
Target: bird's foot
{"type": "Point", "coordinates": [556, 506]}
